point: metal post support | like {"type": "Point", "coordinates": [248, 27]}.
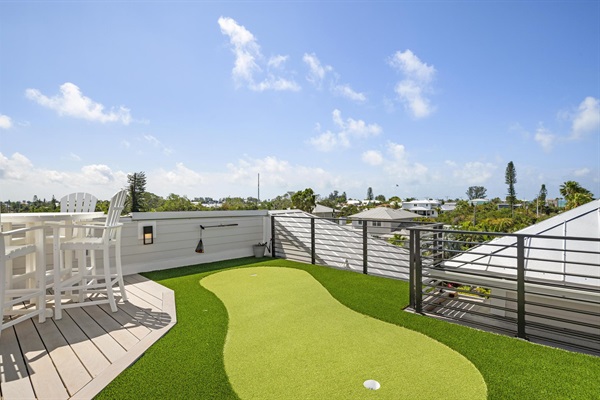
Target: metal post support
{"type": "Point", "coordinates": [418, 274]}
{"type": "Point", "coordinates": [365, 260]}
{"type": "Point", "coordinates": [273, 236]}
{"type": "Point", "coordinates": [312, 241]}
{"type": "Point", "coordinates": [521, 287]}
{"type": "Point", "coordinates": [411, 268]}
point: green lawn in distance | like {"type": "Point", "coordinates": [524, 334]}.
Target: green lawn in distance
{"type": "Point", "coordinates": [289, 338]}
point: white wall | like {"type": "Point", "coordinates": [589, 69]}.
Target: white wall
{"type": "Point", "coordinates": [177, 235]}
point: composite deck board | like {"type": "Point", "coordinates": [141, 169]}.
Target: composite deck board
{"type": "Point", "coordinates": [15, 381]}
{"type": "Point", "coordinates": [72, 372]}
{"type": "Point", "coordinates": [92, 358]}
{"type": "Point", "coordinates": [44, 377]}
{"type": "Point", "coordinates": [78, 355]}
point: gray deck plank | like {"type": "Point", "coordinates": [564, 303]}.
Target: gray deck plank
{"type": "Point", "coordinates": [72, 372]}
{"type": "Point", "coordinates": [120, 334]}
{"type": "Point", "coordinates": [107, 345]}
{"type": "Point", "coordinates": [87, 348]}
{"type": "Point", "coordinates": [14, 376]}
{"type": "Point", "coordinates": [45, 379]}
{"type": "Point", "coordinates": [92, 358]}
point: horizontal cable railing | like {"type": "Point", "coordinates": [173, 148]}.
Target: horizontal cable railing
{"type": "Point", "coordinates": [536, 287]}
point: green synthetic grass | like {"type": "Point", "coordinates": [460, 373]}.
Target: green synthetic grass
{"type": "Point", "coordinates": [188, 362]}
{"type": "Point", "coordinates": [289, 338]}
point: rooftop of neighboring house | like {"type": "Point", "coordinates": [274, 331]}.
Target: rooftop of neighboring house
{"type": "Point", "coordinates": [385, 213]}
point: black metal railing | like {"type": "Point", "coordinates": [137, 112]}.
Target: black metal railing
{"type": "Point", "coordinates": [329, 242]}
{"type": "Point", "coordinates": [537, 287]}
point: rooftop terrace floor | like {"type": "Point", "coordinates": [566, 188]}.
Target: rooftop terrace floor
{"type": "Point", "coordinates": [77, 356]}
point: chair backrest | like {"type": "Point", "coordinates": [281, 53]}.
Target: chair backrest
{"type": "Point", "coordinates": [78, 202]}
{"type": "Point", "coordinates": [117, 203]}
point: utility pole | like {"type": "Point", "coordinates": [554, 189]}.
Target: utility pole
{"type": "Point", "coordinates": [258, 198]}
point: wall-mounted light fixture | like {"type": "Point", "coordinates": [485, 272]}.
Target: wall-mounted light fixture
{"type": "Point", "coordinates": [148, 234]}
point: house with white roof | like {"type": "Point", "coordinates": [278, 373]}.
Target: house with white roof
{"type": "Point", "coordinates": [382, 220]}
{"type": "Point", "coordinates": [425, 208]}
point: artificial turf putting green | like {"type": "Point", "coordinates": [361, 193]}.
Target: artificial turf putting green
{"type": "Point", "coordinates": [289, 338]}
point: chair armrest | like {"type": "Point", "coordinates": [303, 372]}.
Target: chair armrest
{"type": "Point", "coordinates": [20, 230]}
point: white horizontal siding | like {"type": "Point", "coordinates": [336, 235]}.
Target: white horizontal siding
{"type": "Point", "coordinates": [177, 235]}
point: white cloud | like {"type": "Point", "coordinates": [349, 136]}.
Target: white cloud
{"type": "Point", "coordinates": [416, 85]}
{"type": "Point", "coordinates": [277, 61]}
{"type": "Point", "coordinates": [545, 138]}
{"type": "Point", "coordinates": [347, 92]}
{"type": "Point", "coordinates": [317, 74]}
{"type": "Point", "coordinates": [248, 56]}
{"type": "Point", "coordinates": [473, 173]}
{"type": "Point", "coordinates": [5, 122]}
{"type": "Point", "coordinates": [587, 118]}
{"type": "Point", "coordinates": [71, 102]}
{"type": "Point", "coordinates": [347, 130]}
{"type": "Point", "coordinates": [401, 168]}
{"type": "Point", "coordinates": [581, 172]}
{"type": "Point", "coordinates": [157, 144]}
{"type": "Point", "coordinates": [372, 157]}
{"type": "Point", "coordinates": [325, 142]}
{"type": "Point", "coordinates": [316, 71]}
{"type": "Point", "coordinates": [278, 175]}
{"type": "Point", "coordinates": [74, 157]}
{"type": "Point", "coordinates": [20, 177]}
{"type": "Point", "coordinates": [180, 176]}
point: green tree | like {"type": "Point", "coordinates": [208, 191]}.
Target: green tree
{"type": "Point", "coordinates": [575, 194]}
{"type": "Point", "coordinates": [380, 197]}
{"type": "Point", "coordinates": [476, 192]}
{"type": "Point", "coordinates": [137, 188]}
{"type": "Point", "coordinates": [370, 193]}
{"type": "Point", "coordinates": [510, 180]}
{"type": "Point", "coordinates": [175, 202]}
{"type": "Point", "coordinates": [541, 199]}
{"type": "Point", "coordinates": [304, 200]}
{"type": "Point", "coordinates": [152, 201]}
{"type": "Point", "coordinates": [395, 201]}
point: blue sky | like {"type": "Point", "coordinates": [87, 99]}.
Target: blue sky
{"type": "Point", "coordinates": [414, 99]}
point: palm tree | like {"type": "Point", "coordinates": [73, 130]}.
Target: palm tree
{"type": "Point", "coordinates": [575, 194]}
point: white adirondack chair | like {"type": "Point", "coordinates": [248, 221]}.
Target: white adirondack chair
{"type": "Point", "coordinates": [76, 202]}
{"type": "Point", "coordinates": [23, 293]}
{"type": "Point", "coordinates": [87, 280]}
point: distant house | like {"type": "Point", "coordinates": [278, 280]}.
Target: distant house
{"type": "Point", "coordinates": [382, 220]}
{"type": "Point", "coordinates": [478, 202]}
{"type": "Point", "coordinates": [324, 211]}
{"type": "Point", "coordinates": [507, 205]}
{"type": "Point", "coordinates": [447, 207]}
{"type": "Point", "coordinates": [425, 208]}
{"type": "Point", "coordinates": [558, 202]}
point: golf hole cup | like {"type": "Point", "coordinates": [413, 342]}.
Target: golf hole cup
{"type": "Point", "coordinates": [372, 384]}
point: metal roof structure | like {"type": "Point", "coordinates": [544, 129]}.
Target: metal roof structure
{"type": "Point", "coordinates": [567, 257]}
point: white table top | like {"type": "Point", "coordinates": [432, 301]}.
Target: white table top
{"type": "Point", "coordinates": [48, 216]}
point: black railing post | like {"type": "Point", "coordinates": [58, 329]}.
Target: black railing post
{"type": "Point", "coordinates": [418, 274]}
{"type": "Point", "coordinates": [273, 236]}
{"type": "Point", "coordinates": [411, 268]}
{"type": "Point", "coordinates": [312, 241]}
{"type": "Point", "coordinates": [521, 287]}
{"type": "Point", "coordinates": [365, 260]}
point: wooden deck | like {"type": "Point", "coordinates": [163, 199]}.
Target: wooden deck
{"type": "Point", "coordinates": [77, 356]}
